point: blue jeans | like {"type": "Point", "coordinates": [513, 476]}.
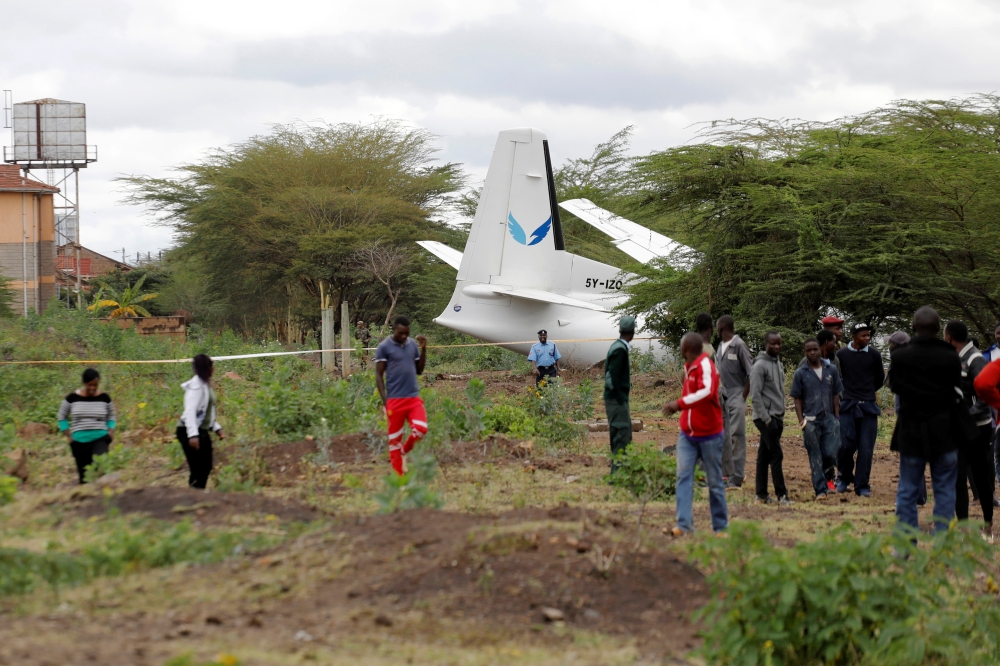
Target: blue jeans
{"type": "Point", "coordinates": [822, 441]}
{"type": "Point", "coordinates": [944, 472]}
{"type": "Point", "coordinates": [858, 438]}
{"type": "Point", "coordinates": [710, 454]}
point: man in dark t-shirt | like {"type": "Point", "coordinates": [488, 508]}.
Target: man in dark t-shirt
{"type": "Point", "coordinates": [863, 375]}
{"type": "Point", "coordinates": [398, 361]}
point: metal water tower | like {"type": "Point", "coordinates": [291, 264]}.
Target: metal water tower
{"type": "Point", "coordinates": [51, 134]}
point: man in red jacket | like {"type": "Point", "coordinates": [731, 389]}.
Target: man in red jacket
{"type": "Point", "coordinates": [701, 437]}
{"type": "Point", "coordinates": [987, 384]}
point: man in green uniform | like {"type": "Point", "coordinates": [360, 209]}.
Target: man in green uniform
{"type": "Point", "coordinates": [616, 388]}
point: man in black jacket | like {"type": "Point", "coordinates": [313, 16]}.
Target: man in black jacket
{"type": "Point", "coordinates": [926, 375]}
{"type": "Point", "coordinates": [863, 375]}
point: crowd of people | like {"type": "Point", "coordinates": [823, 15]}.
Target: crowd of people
{"type": "Point", "coordinates": [946, 394]}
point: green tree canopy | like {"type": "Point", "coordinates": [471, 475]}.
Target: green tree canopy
{"type": "Point", "coordinates": [869, 216]}
{"type": "Point", "coordinates": [274, 223]}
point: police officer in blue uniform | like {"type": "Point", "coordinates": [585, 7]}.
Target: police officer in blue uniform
{"type": "Point", "coordinates": [544, 357]}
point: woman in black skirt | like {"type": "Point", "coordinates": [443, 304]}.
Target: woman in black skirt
{"type": "Point", "coordinates": [198, 421]}
{"type": "Point", "coordinates": [87, 416]}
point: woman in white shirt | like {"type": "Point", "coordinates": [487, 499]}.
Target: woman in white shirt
{"type": "Point", "coordinates": [198, 421]}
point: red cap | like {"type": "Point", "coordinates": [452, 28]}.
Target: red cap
{"type": "Point", "coordinates": [831, 320]}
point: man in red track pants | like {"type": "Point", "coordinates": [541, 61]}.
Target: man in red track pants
{"type": "Point", "coordinates": [398, 361]}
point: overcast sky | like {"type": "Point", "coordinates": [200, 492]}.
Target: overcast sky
{"type": "Point", "coordinates": [165, 81]}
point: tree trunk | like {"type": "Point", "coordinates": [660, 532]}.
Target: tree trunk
{"type": "Point", "coordinates": [393, 298]}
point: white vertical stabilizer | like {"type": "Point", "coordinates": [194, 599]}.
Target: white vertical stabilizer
{"type": "Point", "coordinates": [515, 276]}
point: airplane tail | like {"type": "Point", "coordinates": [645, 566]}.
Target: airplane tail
{"type": "Point", "coordinates": [516, 237]}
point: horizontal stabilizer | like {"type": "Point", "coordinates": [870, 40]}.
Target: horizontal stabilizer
{"type": "Point", "coordinates": [448, 255]}
{"type": "Point", "coordinates": [636, 241]}
{"type": "Point", "coordinates": [494, 291]}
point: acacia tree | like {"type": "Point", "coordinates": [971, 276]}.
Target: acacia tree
{"type": "Point", "coordinates": [871, 216]}
{"type": "Point", "coordinates": [274, 221]}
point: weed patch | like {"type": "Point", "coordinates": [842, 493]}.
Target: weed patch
{"type": "Point", "coordinates": [888, 599]}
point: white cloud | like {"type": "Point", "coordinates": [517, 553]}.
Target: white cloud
{"type": "Point", "coordinates": [166, 81]}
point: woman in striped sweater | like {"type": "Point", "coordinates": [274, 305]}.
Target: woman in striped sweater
{"type": "Point", "coordinates": [87, 416]}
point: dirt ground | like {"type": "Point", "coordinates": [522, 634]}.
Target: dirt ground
{"type": "Point", "coordinates": [533, 560]}
{"type": "Point", "coordinates": [530, 577]}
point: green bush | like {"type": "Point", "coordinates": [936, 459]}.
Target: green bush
{"type": "Point", "coordinates": [842, 600]}
{"type": "Point", "coordinates": [511, 420]}
{"type": "Point", "coordinates": [646, 472]}
{"type": "Point", "coordinates": [117, 458]}
{"type": "Point", "coordinates": [498, 358]}
{"type": "Point", "coordinates": [8, 489]}
{"type": "Point", "coordinates": [411, 490]}
{"type": "Point", "coordinates": [280, 406]}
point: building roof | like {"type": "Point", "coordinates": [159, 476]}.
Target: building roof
{"type": "Point", "coordinates": [11, 180]}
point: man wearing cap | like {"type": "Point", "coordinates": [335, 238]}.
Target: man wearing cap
{"type": "Point", "coordinates": [863, 375]}
{"type": "Point", "coordinates": [835, 325]}
{"type": "Point", "coordinates": [544, 358]}
{"type": "Point", "coordinates": [617, 383]}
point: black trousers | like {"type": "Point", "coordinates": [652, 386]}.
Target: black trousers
{"type": "Point", "coordinates": [84, 452]}
{"type": "Point", "coordinates": [200, 459]}
{"type": "Point", "coordinates": [974, 462]}
{"type": "Point", "coordinates": [544, 371]}
{"type": "Point", "coordinates": [770, 455]}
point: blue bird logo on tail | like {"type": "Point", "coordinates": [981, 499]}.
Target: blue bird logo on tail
{"type": "Point", "coordinates": [537, 236]}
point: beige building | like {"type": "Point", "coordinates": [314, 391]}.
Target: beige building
{"type": "Point", "coordinates": [27, 238]}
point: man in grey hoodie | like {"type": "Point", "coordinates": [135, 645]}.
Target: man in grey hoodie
{"type": "Point", "coordinates": [767, 392]}
{"type": "Point", "coordinates": [733, 361]}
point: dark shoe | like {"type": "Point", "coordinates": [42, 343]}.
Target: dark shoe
{"type": "Point", "coordinates": [996, 501]}
{"type": "Point", "coordinates": [784, 501]}
{"type": "Point", "coordinates": [864, 492]}
{"type": "Point", "coordinates": [843, 487]}
{"type": "Point", "coordinates": [764, 500]}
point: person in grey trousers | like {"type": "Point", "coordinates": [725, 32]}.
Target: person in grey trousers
{"type": "Point", "coordinates": [767, 393]}
{"type": "Point", "coordinates": [733, 363]}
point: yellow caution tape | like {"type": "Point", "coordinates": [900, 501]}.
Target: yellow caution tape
{"type": "Point", "coordinates": [293, 353]}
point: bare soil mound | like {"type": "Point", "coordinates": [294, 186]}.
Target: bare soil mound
{"type": "Point", "coordinates": [208, 507]}
{"type": "Point", "coordinates": [522, 570]}
{"type": "Point", "coordinates": [286, 461]}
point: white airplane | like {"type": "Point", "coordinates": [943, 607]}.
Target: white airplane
{"type": "Point", "coordinates": [515, 276]}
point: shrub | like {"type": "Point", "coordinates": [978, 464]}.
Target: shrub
{"type": "Point", "coordinates": [552, 405]}
{"type": "Point", "coordinates": [280, 407]}
{"type": "Point", "coordinates": [412, 490]}
{"type": "Point", "coordinates": [509, 419]}
{"type": "Point", "coordinates": [498, 358]}
{"type": "Point", "coordinates": [117, 458]}
{"type": "Point", "coordinates": [844, 600]}
{"type": "Point", "coordinates": [475, 394]}
{"type": "Point", "coordinates": [8, 489]}
{"type": "Point", "coordinates": [646, 472]}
